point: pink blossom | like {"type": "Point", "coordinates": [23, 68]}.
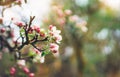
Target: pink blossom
{"type": "Point", "coordinates": [12, 70]}
{"type": "Point", "coordinates": [58, 38]}
{"type": "Point", "coordinates": [68, 12]}
{"type": "Point", "coordinates": [37, 29]}
{"type": "Point", "coordinates": [20, 23]}
{"type": "Point", "coordinates": [50, 27]}
{"type": "Point", "coordinates": [61, 21]}
{"type": "Point", "coordinates": [55, 33]}
{"type": "Point", "coordinates": [42, 33]}
{"type": "Point", "coordinates": [60, 13]}
{"type": "Point", "coordinates": [73, 18]}
{"type": "Point", "coordinates": [54, 47]}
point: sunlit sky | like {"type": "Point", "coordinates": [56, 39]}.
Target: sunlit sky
{"type": "Point", "coordinates": [39, 8]}
{"type": "Point", "coordinates": [33, 8]}
{"type": "Point", "coordinates": [113, 4]}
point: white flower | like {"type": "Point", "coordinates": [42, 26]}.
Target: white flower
{"type": "Point", "coordinates": [55, 33]}
{"type": "Point", "coordinates": [38, 57]}
{"type": "Point", "coordinates": [53, 29]}
{"type": "Point", "coordinates": [58, 38]}
{"type": "Point", "coordinates": [42, 59]}
{"type": "Point", "coordinates": [74, 18]}
{"type": "Point", "coordinates": [21, 62]}
{"type": "Point", "coordinates": [82, 24]}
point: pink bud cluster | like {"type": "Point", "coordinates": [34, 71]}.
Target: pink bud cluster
{"type": "Point", "coordinates": [35, 28]}
{"type": "Point", "coordinates": [80, 23]}
{"type": "Point", "coordinates": [54, 49]}
{"type": "Point", "coordinates": [25, 70]}
{"type": "Point", "coordinates": [55, 34]}
{"type": "Point", "coordinates": [40, 31]}
{"type": "Point", "coordinates": [61, 14]}
{"type": "Point", "coordinates": [32, 34]}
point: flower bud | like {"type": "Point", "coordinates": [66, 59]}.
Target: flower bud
{"type": "Point", "coordinates": [2, 30]}
{"type": "Point", "coordinates": [30, 30]}
{"type": "Point", "coordinates": [26, 70]}
{"type": "Point", "coordinates": [42, 32]}
{"type": "Point", "coordinates": [20, 24]}
{"type": "Point", "coordinates": [12, 70]}
{"type": "Point", "coordinates": [37, 29]}
{"type": "Point", "coordinates": [54, 47]}
{"type": "Point", "coordinates": [31, 75]}
{"type": "Point", "coordinates": [50, 27]}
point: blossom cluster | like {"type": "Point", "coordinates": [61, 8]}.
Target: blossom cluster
{"type": "Point", "coordinates": [65, 16]}
{"type": "Point", "coordinates": [13, 70]}
{"type": "Point", "coordinates": [33, 35]}
{"type": "Point", "coordinates": [26, 41]}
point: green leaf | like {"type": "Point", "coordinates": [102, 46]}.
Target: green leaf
{"type": "Point", "coordinates": [22, 30]}
{"type": "Point", "coordinates": [30, 35]}
{"type": "Point", "coordinates": [43, 54]}
{"type": "Point", "coordinates": [31, 53]}
{"type": "Point", "coordinates": [47, 52]}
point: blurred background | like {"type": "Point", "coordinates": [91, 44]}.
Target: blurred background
{"type": "Point", "coordinates": [91, 37]}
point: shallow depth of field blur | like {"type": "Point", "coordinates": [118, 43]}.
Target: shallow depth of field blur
{"type": "Point", "coordinates": [91, 37]}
